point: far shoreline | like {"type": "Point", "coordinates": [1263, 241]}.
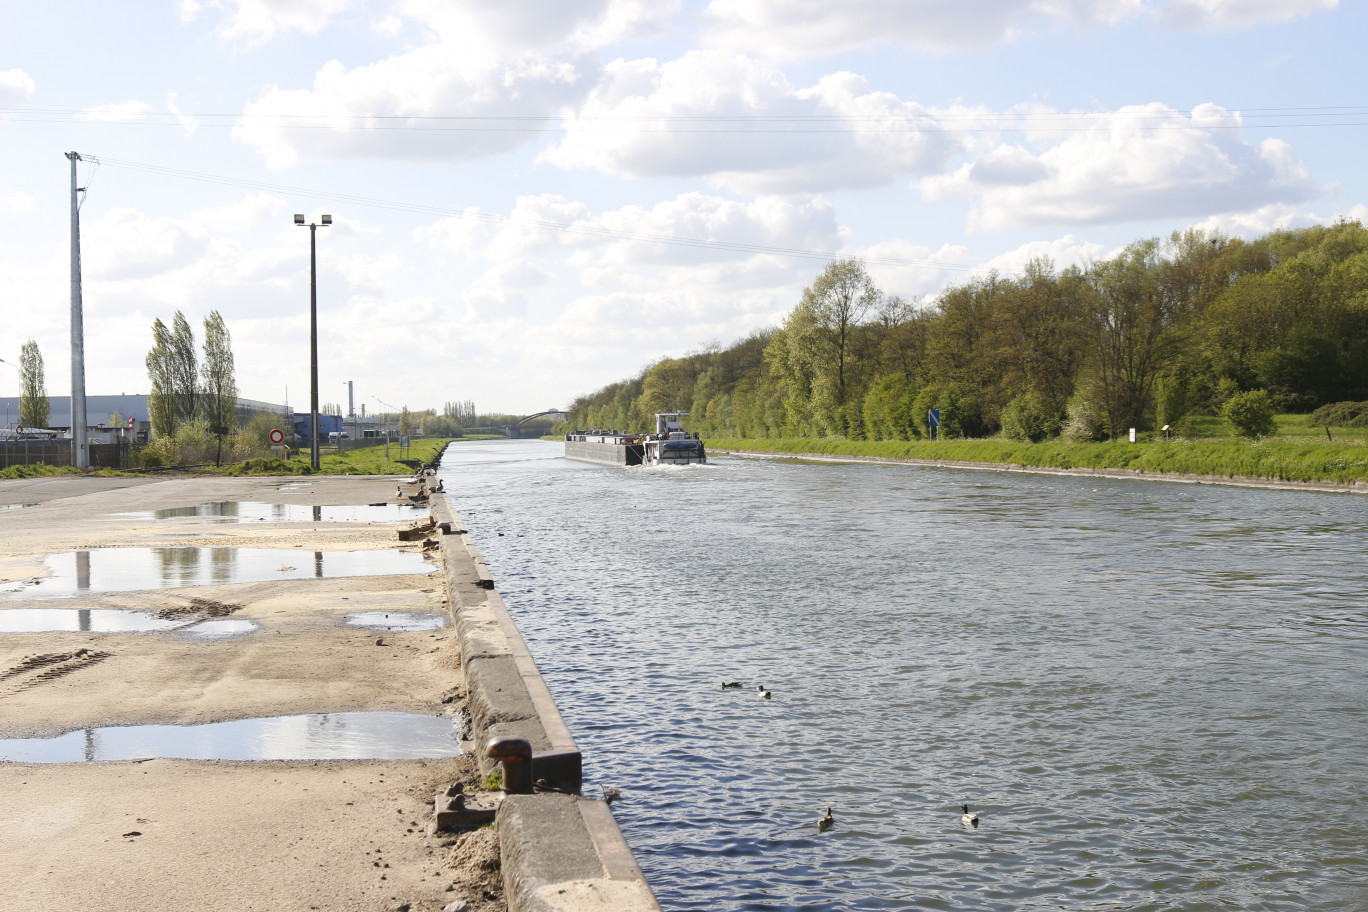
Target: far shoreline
{"type": "Point", "coordinates": [1240, 481]}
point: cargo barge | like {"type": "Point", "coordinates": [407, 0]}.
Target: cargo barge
{"type": "Point", "coordinates": [669, 445]}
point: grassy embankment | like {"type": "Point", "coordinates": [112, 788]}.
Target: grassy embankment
{"type": "Point", "coordinates": [366, 461]}
{"type": "Point", "coordinates": [1297, 452]}
{"type": "Point", "coordinates": [371, 460]}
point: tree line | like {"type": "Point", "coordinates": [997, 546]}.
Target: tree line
{"type": "Point", "coordinates": [1165, 330]}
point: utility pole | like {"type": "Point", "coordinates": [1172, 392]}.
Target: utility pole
{"type": "Point", "coordinates": [80, 439]}
{"type": "Point", "coordinates": [326, 220]}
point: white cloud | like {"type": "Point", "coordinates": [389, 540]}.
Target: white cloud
{"type": "Point", "coordinates": [19, 203]}
{"type": "Point", "coordinates": [486, 78]}
{"type": "Point", "coordinates": [610, 287]}
{"type": "Point", "coordinates": [1212, 15]}
{"type": "Point", "coordinates": [516, 26]}
{"type": "Point", "coordinates": [136, 111]}
{"type": "Point", "coordinates": [739, 122]}
{"type": "Point", "coordinates": [500, 294]}
{"type": "Point", "coordinates": [1279, 216]}
{"type": "Point", "coordinates": [15, 88]}
{"type": "Point", "coordinates": [257, 21]}
{"type": "Point", "coordinates": [1069, 250]}
{"type": "Point", "coordinates": [122, 112]}
{"type": "Point", "coordinates": [1141, 162]}
{"type": "Point", "coordinates": [782, 29]}
{"type": "Point", "coordinates": [240, 215]}
{"type": "Point", "coordinates": [786, 29]}
{"type": "Point", "coordinates": [432, 103]}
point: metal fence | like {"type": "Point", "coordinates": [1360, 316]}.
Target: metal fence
{"type": "Point", "coordinates": [58, 453]}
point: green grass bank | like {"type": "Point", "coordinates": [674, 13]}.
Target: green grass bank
{"type": "Point", "coordinates": [1273, 459]}
{"type": "Point", "coordinates": [370, 460]}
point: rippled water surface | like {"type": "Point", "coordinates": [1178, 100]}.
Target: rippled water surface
{"type": "Point", "coordinates": [1155, 695]}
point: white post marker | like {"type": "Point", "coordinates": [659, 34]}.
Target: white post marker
{"type": "Point", "coordinates": [1132, 430]}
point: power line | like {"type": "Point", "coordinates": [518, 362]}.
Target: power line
{"type": "Point", "coordinates": [878, 123]}
{"type": "Point", "coordinates": [593, 231]}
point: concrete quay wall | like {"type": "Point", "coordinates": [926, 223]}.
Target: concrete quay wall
{"type": "Point", "coordinates": [559, 851]}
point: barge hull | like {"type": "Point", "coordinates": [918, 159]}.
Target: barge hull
{"type": "Point", "coordinates": [616, 454]}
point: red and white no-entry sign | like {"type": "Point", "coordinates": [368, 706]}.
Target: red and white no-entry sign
{"type": "Point", "coordinates": [277, 436]}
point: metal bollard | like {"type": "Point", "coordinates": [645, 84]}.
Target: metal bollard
{"type": "Point", "coordinates": [516, 756]}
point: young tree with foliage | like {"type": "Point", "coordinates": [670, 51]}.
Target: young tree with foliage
{"type": "Point", "coordinates": [185, 367]}
{"type": "Point", "coordinates": [173, 369]}
{"type": "Point", "coordinates": [34, 407]}
{"type": "Point", "coordinates": [161, 402]}
{"type": "Point", "coordinates": [840, 299]}
{"type": "Point", "coordinates": [405, 422]}
{"type": "Point", "coordinates": [219, 379]}
{"type": "Point", "coordinates": [1129, 320]}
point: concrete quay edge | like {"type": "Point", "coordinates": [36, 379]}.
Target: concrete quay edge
{"type": "Point", "coordinates": [559, 852]}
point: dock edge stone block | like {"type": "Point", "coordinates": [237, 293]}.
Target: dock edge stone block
{"type": "Point", "coordinates": [560, 853]}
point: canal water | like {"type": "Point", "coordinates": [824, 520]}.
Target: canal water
{"type": "Point", "coordinates": [1154, 695]}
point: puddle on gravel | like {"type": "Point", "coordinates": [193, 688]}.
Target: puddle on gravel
{"type": "Point", "coordinates": [229, 511]}
{"type": "Point", "coordinates": [320, 736]}
{"type": "Point", "coordinates": [95, 620]}
{"type": "Point", "coordinates": [18, 506]}
{"type": "Point", "coordinates": [130, 569]}
{"type": "Point", "coordinates": [400, 621]}
{"type": "Point", "coordinates": [114, 620]}
{"type": "Point", "coordinates": [217, 630]}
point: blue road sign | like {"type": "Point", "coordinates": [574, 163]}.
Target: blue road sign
{"type": "Point", "coordinates": [933, 418]}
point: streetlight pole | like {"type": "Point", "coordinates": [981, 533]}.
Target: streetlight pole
{"type": "Point", "coordinates": [325, 221]}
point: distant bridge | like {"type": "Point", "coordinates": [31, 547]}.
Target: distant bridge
{"type": "Point", "coordinates": [530, 427]}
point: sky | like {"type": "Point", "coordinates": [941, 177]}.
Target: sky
{"type": "Point", "coordinates": [534, 198]}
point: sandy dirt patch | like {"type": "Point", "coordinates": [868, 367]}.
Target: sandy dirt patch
{"type": "Point", "coordinates": [182, 835]}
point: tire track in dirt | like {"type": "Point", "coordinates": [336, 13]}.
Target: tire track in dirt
{"type": "Point", "coordinates": [32, 671]}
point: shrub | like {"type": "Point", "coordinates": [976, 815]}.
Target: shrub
{"type": "Point", "coordinates": [1341, 414]}
{"type": "Point", "coordinates": [254, 437]}
{"type": "Point", "coordinates": [1249, 414]}
{"type": "Point", "coordinates": [160, 451]}
{"type": "Point", "coordinates": [195, 442]}
{"type": "Point", "coordinates": [1030, 417]}
{"type": "Point", "coordinates": [1083, 420]}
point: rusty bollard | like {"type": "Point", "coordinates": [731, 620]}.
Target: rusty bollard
{"type": "Point", "coordinates": [516, 756]}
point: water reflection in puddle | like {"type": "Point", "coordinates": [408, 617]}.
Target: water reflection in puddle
{"type": "Point", "coordinates": [18, 506]}
{"type": "Point", "coordinates": [129, 569]}
{"type": "Point", "coordinates": [111, 620]}
{"type": "Point", "coordinates": [319, 736]}
{"type": "Point", "coordinates": [396, 620]}
{"type": "Point", "coordinates": [257, 511]}
{"type": "Point", "coordinates": [219, 629]}
{"type": "Point", "coordinates": [95, 620]}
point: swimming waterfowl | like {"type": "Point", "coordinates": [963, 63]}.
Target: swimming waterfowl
{"type": "Point", "coordinates": [764, 694]}
{"type": "Point", "coordinates": [968, 819]}
{"type": "Point", "coordinates": [825, 823]}
{"type": "Point", "coordinates": [726, 684]}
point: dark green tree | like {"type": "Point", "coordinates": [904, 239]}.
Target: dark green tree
{"type": "Point", "coordinates": [34, 407]}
